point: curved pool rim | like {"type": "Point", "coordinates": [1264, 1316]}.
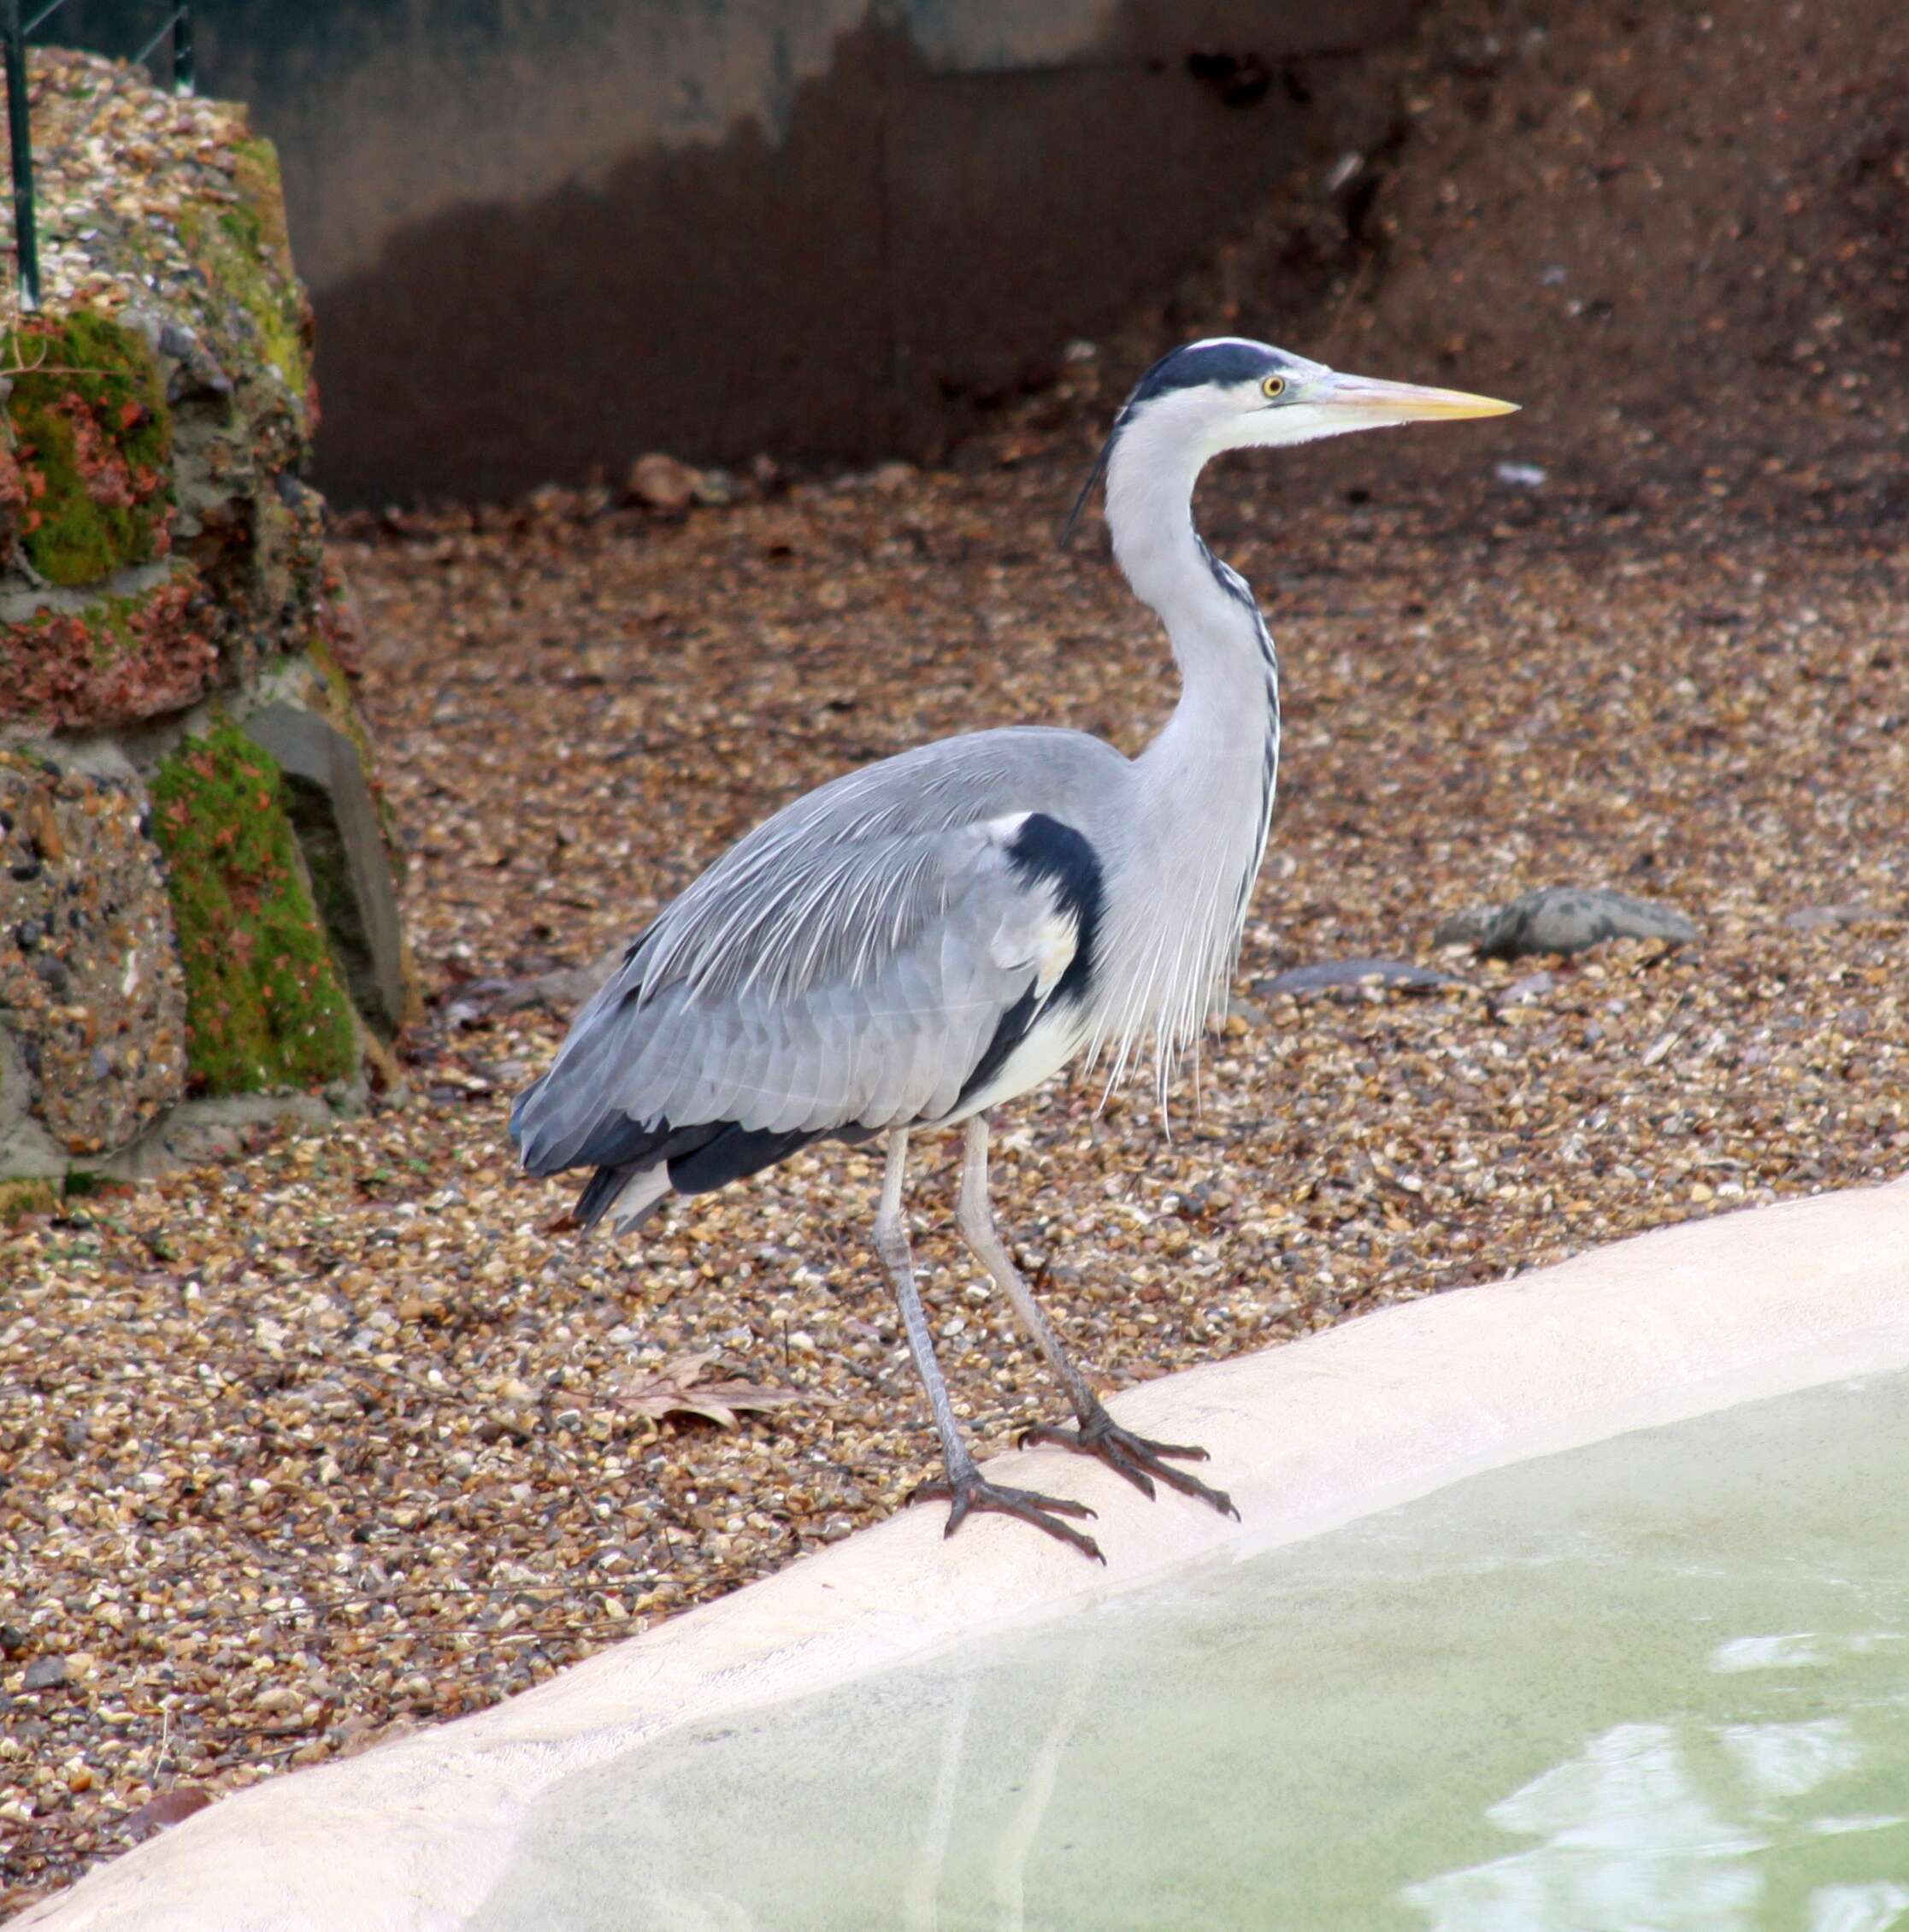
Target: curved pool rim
{"type": "Point", "coordinates": [1393, 1405]}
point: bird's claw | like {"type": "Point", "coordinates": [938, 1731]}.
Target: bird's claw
{"type": "Point", "coordinates": [972, 1491]}
{"type": "Point", "coordinates": [1134, 1456]}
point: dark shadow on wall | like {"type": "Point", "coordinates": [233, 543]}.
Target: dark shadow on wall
{"type": "Point", "coordinates": [922, 242]}
{"type": "Point", "coordinates": [923, 238]}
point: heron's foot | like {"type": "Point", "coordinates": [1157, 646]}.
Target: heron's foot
{"type": "Point", "coordinates": [972, 1491]}
{"type": "Point", "coordinates": [1137, 1458]}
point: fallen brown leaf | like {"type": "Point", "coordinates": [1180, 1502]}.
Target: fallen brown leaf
{"type": "Point", "coordinates": [678, 1388]}
{"type": "Point", "coordinates": [171, 1806]}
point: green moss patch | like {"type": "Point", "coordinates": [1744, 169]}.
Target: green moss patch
{"type": "Point", "coordinates": [243, 255]}
{"type": "Point", "coordinates": [265, 1007]}
{"type": "Point", "coordinates": [255, 174]}
{"type": "Point", "coordinates": [87, 481]}
{"type": "Point", "coordinates": [19, 1199]}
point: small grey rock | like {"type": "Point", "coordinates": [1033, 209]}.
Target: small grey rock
{"type": "Point", "coordinates": [1814, 918]}
{"type": "Point", "coordinates": [1527, 991]}
{"type": "Point", "coordinates": [716, 487]}
{"type": "Point", "coordinates": [561, 991]}
{"type": "Point", "coordinates": [1465, 928]}
{"type": "Point", "coordinates": [44, 1673]}
{"type": "Point", "coordinates": [1331, 975]}
{"type": "Point", "coordinates": [1566, 919]}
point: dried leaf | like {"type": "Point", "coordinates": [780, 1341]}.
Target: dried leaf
{"type": "Point", "coordinates": [171, 1806]}
{"type": "Point", "coordinates": [678, 1388]}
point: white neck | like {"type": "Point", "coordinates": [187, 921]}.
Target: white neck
{"type": "Point", "coordinates": [1228, 684]}
{"type": "Point", "coordinates": [1206, 781]}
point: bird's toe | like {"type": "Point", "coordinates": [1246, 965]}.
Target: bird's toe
{"type": "Point", "coordinates": [973, 1491]}
{"type": "Point", "coordinates": [1140, 1459]}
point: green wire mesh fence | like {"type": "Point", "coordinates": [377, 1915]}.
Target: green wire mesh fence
{"type": "Point", "coordinates": [13, 30]}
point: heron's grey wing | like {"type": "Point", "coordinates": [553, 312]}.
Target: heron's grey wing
{"type": "Point", "coordinates": [838, 879]}
{"type": "Point", "coordinates": [859, 981]}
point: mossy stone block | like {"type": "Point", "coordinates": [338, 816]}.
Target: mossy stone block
{"type": "Point", "coordinates": [87, 663]}
{"type": "Point", "coordinates": [90, 988]}
{"type": "Point", "coordinates": [243, 251]}
{"type": "Point", "coordinates": [266, 1006]}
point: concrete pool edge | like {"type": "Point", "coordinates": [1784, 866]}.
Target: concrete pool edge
{"type": "Point", "coordinates": [1674, 1324]}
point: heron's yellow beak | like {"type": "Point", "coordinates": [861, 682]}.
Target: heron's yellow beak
{"type": "Point", "coordinates": [1365, 396]}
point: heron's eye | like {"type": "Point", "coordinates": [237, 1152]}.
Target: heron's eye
{"type": "Point", "coordinates": [1273, 387]}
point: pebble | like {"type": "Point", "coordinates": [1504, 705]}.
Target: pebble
{"type": "Point", "coordinates": [663, 483]}
{"type": "Point", "coordinates": [168, 1807]}
{"type": "Point", "coordinates": [1527, 991]}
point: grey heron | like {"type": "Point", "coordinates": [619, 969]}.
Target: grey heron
{"type": "Point", "coordinates": [917, 942]}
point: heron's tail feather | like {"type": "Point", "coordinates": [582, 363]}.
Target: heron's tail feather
{"type": "Point", "coordinates": [631, 1193]}
{"type": "Point", "coordinates": [689, 1160]}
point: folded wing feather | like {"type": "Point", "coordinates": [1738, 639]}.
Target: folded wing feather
{"type": "Point", "coordinates": [807, 982]}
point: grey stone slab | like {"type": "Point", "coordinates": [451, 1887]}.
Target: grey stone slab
{"type": "Point", "coordinates": [561, 991]}
{"type": "Point", "coordinates": [1563, 919]}
{"type": "Point", "coordinates": [1344, 976]}
{"type": "Point", "coordinates": [336, 819]}
{"type": "Point", "coordinates": [197, 1132]}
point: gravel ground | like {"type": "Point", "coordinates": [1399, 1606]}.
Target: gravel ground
{"type": "Point", "coordinates": [325, 1443]}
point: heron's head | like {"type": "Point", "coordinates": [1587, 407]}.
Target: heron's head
{"type": "Point", "coordinates": [1227, 393]}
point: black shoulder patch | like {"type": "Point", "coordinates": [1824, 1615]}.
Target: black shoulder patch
{"type": "Point", "coordinates": [1044, 849]}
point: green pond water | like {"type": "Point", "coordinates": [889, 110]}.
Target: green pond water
{"type": "Point", "coordinates": [1657, 1685]}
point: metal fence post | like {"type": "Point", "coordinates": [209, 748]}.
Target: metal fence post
{"type": "Point", "coordinates": [20, 137]}
{"type": "Point", "coordinates": [184, 77]}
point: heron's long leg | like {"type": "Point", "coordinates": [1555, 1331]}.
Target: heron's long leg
{"type": "Point", "coordinates": [966, 1489]}
{"type": "Point", "coordinates": [974, 1216]}
{"type": "Point", "coordinates": [1136, 1457]}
